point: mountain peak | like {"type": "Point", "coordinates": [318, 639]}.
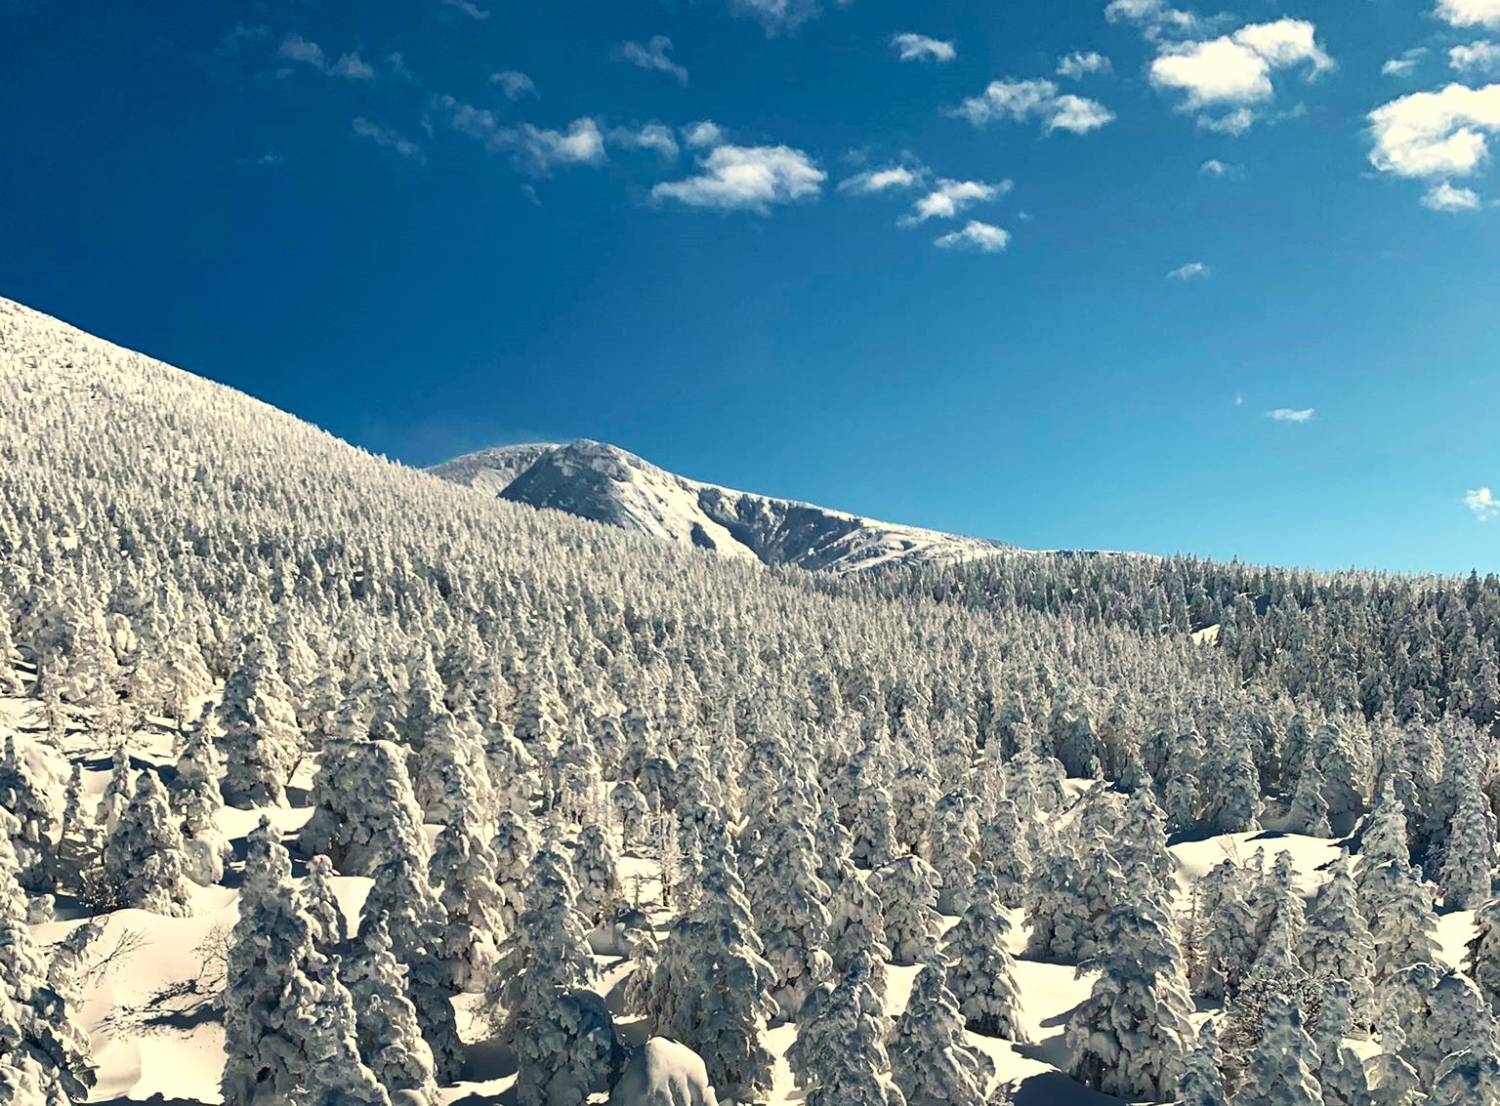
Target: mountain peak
{"type": "Point", "coordinates": [602, 482]}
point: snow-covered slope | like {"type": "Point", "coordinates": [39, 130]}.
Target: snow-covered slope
{"type": "Point", "coordinates": [607, 484]}
{"type": "Point", "coordinates": [493, 470]}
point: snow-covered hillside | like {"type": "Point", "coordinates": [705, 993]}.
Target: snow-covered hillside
{"type": "Point", "coordinates": [325, 781]}
{"type": "Point", "coordinates": [607, 484]}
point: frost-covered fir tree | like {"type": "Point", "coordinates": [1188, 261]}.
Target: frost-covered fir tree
{"type": "Point", "coordinates": [196, 801]}
{"type": "Point", "coordinates": [1336, 944]}
{"type": "Point", "coordinates": [513, 846]}
{"type": "Point", "coordinates": [839, 1056]}
{"type": "Point", "coordinates": [80, 842]}
{"type": "Point", "coordinates": [268, 994]}
{"type": "Point", "coordinates": [791, 919]}
{"type": "Point", "coordinates": [42, 1044]}
{"type": "Point", "coordinates": [462, 871]}
{"type": "Point", "coordinates": [363, 806]}
{"type": "Point", "coordinates": [1057, 912]}
{"type": "Point", "coordinates": [1468, 854]}
{"type": "Point", "coordinates": [908, 890]}
{"type": "Point", "coordinates": [1467, 1078]}
{"type": "Point", "coordinates": [1226, 942]}
{"type": "Point", "coordinates": [856, 926]}
{"type": "Point", "coordinates": [261, 741]}
{"type": "Point", "coordinates": [628, 807]}
{"type": "Point", "coordinates": [1404, 926]}
{"type": "Point", "coordinates": [711, 987]}
{"type": "Point", "coordinates": [336, 1076]}
{"type": "Point", "coordinates": [1384, 854]}
{"type": "Point", "coordinates": [1393, 1081]}
{"type": "Point", "coordinates": [1340, 1072]}
{"type": "Point", "coordinates": [874, 828]}
{"type": "Point", "coordinates": [600, 895]}
{"type": "Point", "coordinates": [1130, 1036]}
{"type": "Point", "coordinates": [390, 1039]}
{"type": "Point", "coordinates": [416, 922]}
{"type": "Point", "coordinates": [1281, 1071]}
{"type": "Point", "coordinates": [116, 795]}
{"type": "Point", "coordinates": [561, 1038]}
{"type": "Point", "coordinates": [931, 1062]}
{"type": "Point", "coordinates": [1234, 785]}
{"type": "Point", "coordinates": [981, 972]}
{"type": "Point", "coordinates": [1141, 844]}
{"type": "Point", "coordinates": [1002, 844]}
{"type": "Point", "coordinates": [955, 839]}
{"type": "Point", "coordinates": [143, 856]}
{"type": "Point", "coordinates": [1483, 960]}
{"type": "Point", "coordinates": [1201, 1082]}
{"type": "Point", "coordinates": [330, 928]}
{"type": "Point", "coordinates": [33, 819]}
{"type": "Point", "coordinates": [1309, 809]}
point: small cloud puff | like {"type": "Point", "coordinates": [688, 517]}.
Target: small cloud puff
{"type": "Point", "coordinates": [1445, 197]}
{"type": "Point", "coordinates": [892, 178]}
{"type": "Point", "coordinates": [1193, 270]}
{"type": "Point", "coordinates": [1020, 101]}
{"type": "Point", "coordinates": [514, 84]}
{"type": "Point", "coordinates": [914, 47]}
{"type": "Point", "coordinates": [1292, 414]}
{"type": "Point", "coordinates": [1078, 65]}
{"type": "Point", "coordinates": [1482, 503]}
{"type": "Point", "coordinates": [975, 235]}
{"type": "Point", "coordinates": [652, 55]}
{"type": "Point", "coordinates": [746, 178]}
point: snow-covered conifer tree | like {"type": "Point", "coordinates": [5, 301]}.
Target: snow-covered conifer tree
{"type": "Point", "coordinates": [931, 1062]}
{"type": "Point", "coordinates": [908, 890]}
{"type": "Point", "coordinates": [955, 839]}
{"type": "Point", "coordinates": [336, 1076]}
{"type": "Point", "coordinates": [268, 995]}
{"type": "Point", "coordinates": [1281, 1071]}
{"type": "Point", "coordinates": [330, 929]}
{"type": "Point", "coordinates": [981, 972]}
{"type": "Point", "coordinates": [1309, 810]}
{"type": "Point", "coordinates": [1336, 943]}
{"type": "Point", "coordinates": [462, 871]}
{"type": "Point", "coordinates": [363, 806]}
{"type": "Point", "coordinates": [143, 856]}
{"type": "Point", "coordinates": [1404, 926]}
{"type": "Point", "coordinates": [261, 741]}
{"type": "Point", "coordinates": [839, 1056]}
{"type": "Point", "coordinates": [1468, 854]}
{"type": "Point", "coordinates": [513, 846]}
{"type": "Point", "coordinates": [1340, 1072]}
{"type": "Point", "coordinates": [32, 821]}
{"type": "Point", "coordinates": [117, 792]}
{"type": "Point", "coordinates": [196, 801]}
{"type": "Point", "coordinates": [600, 895]}
{"type": "Point", "coordinates": [390, 1039]}
{"type": "Point", "coordinates": [1201, 1082]}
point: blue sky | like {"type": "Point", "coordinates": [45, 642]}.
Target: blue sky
{"type": "Point", "coordinates": [1030, 270]}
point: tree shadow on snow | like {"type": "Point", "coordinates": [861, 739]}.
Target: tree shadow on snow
{"type": "Point", "coordinates": [486, 1060]}
{"type": "Point", "coordinates": [1053, 1088]}
{"type": "Point", "coordinates": [154, 1100]}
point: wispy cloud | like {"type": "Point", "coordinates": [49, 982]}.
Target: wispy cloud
{"type": "Point", "coordinates": [467, 8]}
{"type": "Point", "coordinates": [1232, 73]}
{"type": "Point", "coordinates": [1482, 503]}
{"type": "Point", "coordinates": [950, 197]}
{"type": "Point", "coordinates": [892, 178]}
{"type": "Point", "coordinates": [534, 149]}
{"type": "Point", "coordinates": [777, 16]}
{"type": "Point", "coordinates": [1469, 13]}
{"type": "Point", "coordinates": [1193, 270]}
{"type": "Point", "coordinates": [1223, 170]}
{"type": "Point", "coordinates": [1020, 101]}
{"type": "Point", "coordinates": [1078, 65]}
{"type": "Point", "coordinates": [514, 84]}
{"type": "Point", "coordinates": [1475, 57]}
{"type": "Point", "coordinates": [1291, 414]}
{"type": "Point", "coordinates": [652, 55]}
{"type": "Point", "coordinates": [703, 134]}
{"type": "Point", "coordinates": [1155, 18]}
{"type": "Point", "coordinates": [1405, 63]}
{"type": "Point", "coordinates": [1444, 196]}
{"type": "Point", "coordinates": [656, 137]}
{"type": "Point", "coordinates": [914, 47]}
{"type": "Point", "coordinates": [295, 48]}
{"type": "Point", "coordinates": [388, 138]}
{"type": "Point", "coordinates": [747, 178]}
{"type": "Point", "coordinates": [984, 237]}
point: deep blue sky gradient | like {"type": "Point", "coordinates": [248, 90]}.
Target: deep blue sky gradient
{"type": "Point", "coordinates": [1062, 393]}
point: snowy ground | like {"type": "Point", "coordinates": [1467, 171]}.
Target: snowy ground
{"type": "Point", "coordinates": [149, 1005]}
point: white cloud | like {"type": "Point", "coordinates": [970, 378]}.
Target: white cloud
{"type": "Point", "coordinates": [950, 197]}
{"type": "Point", "coordinates": [1476, 57]}
{"type": "Point", "coordinates": [703, 133]}
{"type": "Point", "coordinates": [653, 55]}
{"type": "Point", "coordinates": [652, 136]}
{"type": "Point", "coordinates": [1445, 197]}
{"type": "Point", "coordinates": [468, 8]}
{"type": "Point", "coordinates": [777, 15]}
{"type": "Point", "coordinates": [890, 179]}
{"type": "Point", "coordinates": [1482, 502]}
{"type": "Point", "coordinates": [1233, 71]}
{"type": "Point", "coordinates": [1223, 170]}
{"type": "Point", "coordinates": [1155, 18]}
{"type": "Point", "coordinates": [514, 84]}
{"type": "Point", "coordinates": [1405, 63]}
{"type": "Point", "coordinates": [1292, 414]}
{"type": "Point", "coordinates": [390, 139]}
{"type": "Point", "coordinates": [1435, 134]}
{"type": "Point", "coordinates": [1193, 270]}
{"type": "Point", "coordinates": [297, 49]}
{"type": "Point", "coordinates": [1078, 65]}
{"type": "Point", "coordinates": [747, 178]}
{"type": "Point", "coordinates": [1469, 13]}
{"type": "Point", "coordinates": [535, 149]}
{"type": "Point", "coordinates": [913, 47]}
{"type": "Point", "coordinates": [975, 236]}
{"type": "Point", "coordinates": [1037, 99]}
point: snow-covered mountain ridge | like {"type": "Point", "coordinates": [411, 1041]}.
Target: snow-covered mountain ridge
{"type": "Point", "coordinates": [607, 484]}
